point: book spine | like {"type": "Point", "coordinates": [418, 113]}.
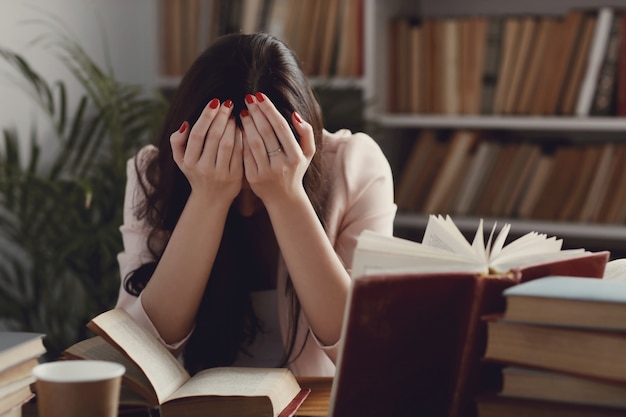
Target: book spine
{"type": "Point", "coordinates": [474, 376]}
{"type": "Point", "coordinates": [607, 79]}
{"type": "Point", "coordinates": [621, 82]}
{"type": "Point", "coordinates": [596, 55]}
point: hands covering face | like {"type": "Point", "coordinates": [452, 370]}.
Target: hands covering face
{"type": "Point", "coordinates": [215, 155]}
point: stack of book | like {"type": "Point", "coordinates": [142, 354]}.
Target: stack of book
{"type": "Point", "coordinates": [429, 300]}
{"type": "Point", "coordinates": [561, 341]}
{"type": "Point", "coordinates": [19, 354]}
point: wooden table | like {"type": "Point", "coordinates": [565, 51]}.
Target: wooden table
{"type": "Point", "coordinates": [316, 404]}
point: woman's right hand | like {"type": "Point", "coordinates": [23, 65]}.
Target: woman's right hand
{"type": "Point", "coordinates": [210, 153]}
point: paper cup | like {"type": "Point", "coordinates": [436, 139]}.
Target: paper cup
{"type": "Point", "coordinates": [78, 388]}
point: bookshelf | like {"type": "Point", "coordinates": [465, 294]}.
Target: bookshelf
{"type": "Point", "coordinates": [545, 123]}
{"type": "Point", "coordinates": [319, 31]}
{"type": "Point", "coordinates": [397, 131]}
{"type": "Point", "coordinates": [367, 93]}
{"type": "Point", "coordinates": [325, 34]}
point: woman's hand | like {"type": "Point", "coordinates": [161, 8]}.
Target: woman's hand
{"type": "Point", "coordinates": [319, 278]}
{"type": "Point", "coordinates": [274, 161]}
{"type": "Point", "coordinates": [210, 154]}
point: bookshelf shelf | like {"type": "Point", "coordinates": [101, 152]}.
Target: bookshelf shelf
{"type": "Point", "coordinates": [390, 129]}
{"type": "Point", "coordinates": [545, 123]}
{"type": "Point", "coordinates": [523, 104]}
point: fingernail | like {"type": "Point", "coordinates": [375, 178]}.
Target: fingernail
{"type": "Point", "coordinates": [297, 117]}
{"type": "Point", "coordinates": [260, 97]}
{"type": "Point", "coordinates": [243, 113]}
{"type": "Point", "coordinates": [214, 103]}
{"type": "Point", "coordinates": [249, 98]}
{"type": "Point", "coordinates": [228, 103]}
{"type": "Point", "coordinates": [183, 127]}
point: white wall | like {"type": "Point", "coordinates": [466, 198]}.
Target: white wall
{"type": "Point", "coordinates": [128, 27]}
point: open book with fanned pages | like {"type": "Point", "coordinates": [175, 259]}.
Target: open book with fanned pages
{"type": "Point", "coordinates": [154, 378]}
{"type": "Point", "coordinates": [414, 335]}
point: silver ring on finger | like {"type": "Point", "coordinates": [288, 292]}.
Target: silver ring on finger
{"type": "Point", "coordinates": [275, 151]}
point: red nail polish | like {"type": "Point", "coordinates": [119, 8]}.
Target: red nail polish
{"type": "Point", "coordinates": [183, 127]}
{"type": "Point", "coordinates": [260, 97]}
{"type": "Point", "coordinates": [244, 113]}
{"type": "Point", "coordinates": [249, 98]}
{"type": "Point", "coordinates": [228, 103]}
{"type": "Point", "coordinates": [297, 117]}
{"type": "Point", "coordinates": [214, 103]}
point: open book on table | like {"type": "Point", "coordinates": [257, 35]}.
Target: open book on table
{"type": "Point", "coordinates": [414, 335]}
{"type": "Point", "coordinates": [445, 249]}
{"type": "Point", "coordinates": [155, 378]}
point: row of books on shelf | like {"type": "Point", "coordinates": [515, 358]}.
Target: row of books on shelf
{"type": "Point", "coordinates": [467, 172]}
{"type": "Point", "coordinates": [326, 35]}
{"type": "Point", "coordinates": [560, 345]}
{"type": "Point", "coordinates": [20, 352]}
{"type": "Point", "coordinates": [517, 64]}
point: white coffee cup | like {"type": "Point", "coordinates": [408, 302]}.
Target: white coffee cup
{"type": "Point", "coordinates": [78, 388]}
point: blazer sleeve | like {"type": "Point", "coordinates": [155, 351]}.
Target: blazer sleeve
{"type": "Point", "coordinates": [135, 251]}
{"type": "Point", "coordinates": [362, 195]}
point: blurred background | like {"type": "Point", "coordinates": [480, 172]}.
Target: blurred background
{"type": "Point", "coordinates": [84, 84]}
{"type": "Point", "coordinates": [125, 30]}
{"type": "Point", "coordinates": [79, 97]}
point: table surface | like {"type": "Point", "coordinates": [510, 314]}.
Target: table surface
{"type": "Point", "coordinates": [316, 404]}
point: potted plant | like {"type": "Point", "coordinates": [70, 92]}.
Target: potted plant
{"type": "Point", "coordinates": [60, 215]}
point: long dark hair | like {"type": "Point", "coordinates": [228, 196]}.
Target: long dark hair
{"type": "Point", "coordinates": [233, 66]}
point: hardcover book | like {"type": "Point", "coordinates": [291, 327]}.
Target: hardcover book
{"type": "Point", "coordinates": [161, 381]}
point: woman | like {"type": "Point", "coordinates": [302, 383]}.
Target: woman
{"type": "Point", "coordinates": [239, 228]}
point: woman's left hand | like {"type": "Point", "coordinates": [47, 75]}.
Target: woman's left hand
{"type": "Point", "coordinates": [274, 161]}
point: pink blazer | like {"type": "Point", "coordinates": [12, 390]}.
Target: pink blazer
{"type": "Point", "coordinates": [361, 198]}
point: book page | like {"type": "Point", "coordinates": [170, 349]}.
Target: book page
{"type": "Point", "coordinates": [367, 262]}
{"type": "Point", "coordinates": [490, 240]}
{"type": "Point", "coordinates": [616, 270]}
{"type": "Point", "coordinates": [377, 242]}
{"type": "Point", "coordinates": [162, 369]}
{"type": "Point", "coordinates": [529, 247]}
{"type": "Point", "coordinates": [535, 242]}
{"type": "Point", "coordinates": [498, 244]}
{"type": "Point", "coordinates": [444, 234]}
{"type": "Point", "coordinates": [278, 384]}
{"type": "Point", "coordinates": [479, 241]}
{"type": "Point", "coordinates": [522, 261]}
{"type": "Point", "coordinates": [96, 348]}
